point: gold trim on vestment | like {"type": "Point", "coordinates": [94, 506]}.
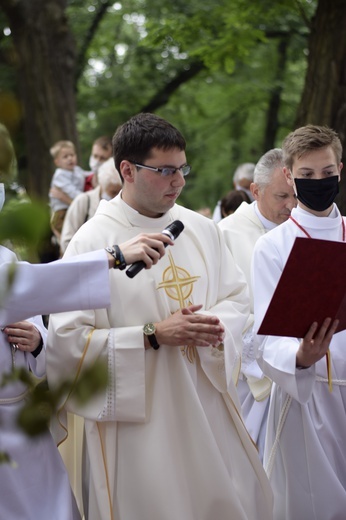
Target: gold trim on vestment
{"type": "Point", "coordinates": [104, 458]}
{"type": "Point", "coordinates": [79, 367]}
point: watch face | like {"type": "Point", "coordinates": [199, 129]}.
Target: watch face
{"type": "Point", "coordinates": [149, 328]}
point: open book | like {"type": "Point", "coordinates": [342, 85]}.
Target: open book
{"type": "Point", "coordinates": [312, 287]}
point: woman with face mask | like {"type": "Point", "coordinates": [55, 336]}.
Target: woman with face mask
{"type": "Point", "coordinates": [304, 454]}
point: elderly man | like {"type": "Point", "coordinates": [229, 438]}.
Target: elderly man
{"type": "Point", "coordinates": [242, 179]}
{"type": "Point", "coordinates": [272, 206]}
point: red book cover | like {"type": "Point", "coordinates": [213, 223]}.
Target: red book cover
{"type": "Point", "coordinates": [312, 287]}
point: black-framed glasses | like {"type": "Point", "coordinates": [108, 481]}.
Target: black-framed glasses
{"type": "Point", "coordinates": [167, 170]}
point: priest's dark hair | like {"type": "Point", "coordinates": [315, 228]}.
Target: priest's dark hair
{"type": "Point", "coordinates": [134, 140]}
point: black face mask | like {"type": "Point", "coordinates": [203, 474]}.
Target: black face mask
{"type": "Point", "coordinates": [317, 194]}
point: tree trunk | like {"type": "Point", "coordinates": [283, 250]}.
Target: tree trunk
{"type": "Point", "coordinates": [46, 68]}
{"type": "Point", "coordinates": [272, 124]}
{"type": "Point", "coordinates": [324, 97]}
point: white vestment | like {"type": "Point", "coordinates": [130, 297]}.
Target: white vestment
{"type": "Point", "coordinates": [45, 288]}
{"type": "Point", "coordinates": [165, 440]}
{"type": "Point", "coordinates": [241, 230]}
{"type": "Point", "coordinates": [35, 484]}
{"type": "Point", "coordinates": [305, 454]}
{"type": "Point", "coordinates": [80, 210]}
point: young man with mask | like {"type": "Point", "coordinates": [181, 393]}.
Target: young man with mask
{"type": "Point", "coordinates": [305, 456]}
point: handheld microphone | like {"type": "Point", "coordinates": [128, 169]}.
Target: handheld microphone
{"type": "Point", "coordinates": [172, 231]}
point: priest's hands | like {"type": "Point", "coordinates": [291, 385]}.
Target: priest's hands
{"type": "Point", "coordinates": [148, 247]}
{"type": "Point", "coordinates": [24, 335]}
{"type": "Point", "coordinates": [186, 327]}
{"type": "Point", "coordinates": [316, 343]}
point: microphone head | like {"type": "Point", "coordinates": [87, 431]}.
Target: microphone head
{"type": "Point", "coordinates": [174, 229]}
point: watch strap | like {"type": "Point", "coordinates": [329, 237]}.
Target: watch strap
{"type": "Point", "coordinates": [153, 341]}
{"type": "Point", "coordinates": [149, 330]}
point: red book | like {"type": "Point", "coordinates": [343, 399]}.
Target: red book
{"type": "Point", "coordinates": [312, 287]}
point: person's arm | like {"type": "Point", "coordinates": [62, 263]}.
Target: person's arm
{"type": "Point", "coordinates": [59, 194]}
{"type": "Point", "coordinates": [218, 322]}
{"type": "Point", "coordinates": [315, 344]}
{"type": "Point", "coordinates": [64, 180]}
{"type": "Point", "coordinates": [277, 355]}
{"type": "Point", "coordinates": [80, 282]}
{"type": "Point", "coordinates": [145, 247]}
{"type": "Point", "coordinates": [187, 327]}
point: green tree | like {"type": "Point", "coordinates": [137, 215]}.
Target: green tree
{"type": "Point", "coordinates": [323, 100]}
{"type": "Point", "coordinates": [230, 74]}
{"type": "Point", "coordinates": [45, 59]}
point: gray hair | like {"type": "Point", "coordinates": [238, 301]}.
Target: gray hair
{"type": "Point", "coordinates": [244, 171]}
{"type": "Point", "coordinates": [266, 165]}
{"type": "Point", "coordinates": [107, 174]}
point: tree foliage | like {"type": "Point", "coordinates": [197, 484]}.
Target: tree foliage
{"type": "Point", "coordinates": [230, 74]}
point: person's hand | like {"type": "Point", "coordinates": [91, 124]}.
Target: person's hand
{"type": "Point", "coordinates": [316, 342]}
{"type": "Point", "coordinates": [187, 327]}
{"type": "Point", "coordinates": [148, 247]}
{"type": "Point", "coordinates": [24, 335]}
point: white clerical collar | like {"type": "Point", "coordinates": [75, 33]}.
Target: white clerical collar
{"type": "Point", "coordinates": [267, 224]}
{"type": "Point", "coordinates": [137, 219]}
{"type": "Point", "coordinates": [333, 214]}
{"type": "Point", "coordinates": [309, 220]}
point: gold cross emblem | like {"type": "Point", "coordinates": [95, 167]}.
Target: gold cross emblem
{"type": "Point", "coordinates": [178, 285]}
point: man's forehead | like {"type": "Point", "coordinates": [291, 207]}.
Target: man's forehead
{"type": "Point", "coordinates": [320, 157]}
{"type": "Point", "coordinates": [165, 152]}
{"type": "Point", "coordinates": [100, 151]}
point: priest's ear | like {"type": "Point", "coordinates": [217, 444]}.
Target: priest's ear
{"type": "Point", "coordinates": [127, 170]}
{"type": "Point", "coordinates": [254, 188]}
{"type": "Point", "coordinates": [289, 176]}
{"type": "Point", "coordinates": [340, 168]}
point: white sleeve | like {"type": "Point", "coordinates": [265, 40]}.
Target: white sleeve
{"type": "Point", "coordinates": [38, 364]}
{"type": "Point", "coordinates": [276, 355]}
{"type": "Point", "coordinates": [76, 283]}
{"type": "Point", "coordinates": [75, 217]}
